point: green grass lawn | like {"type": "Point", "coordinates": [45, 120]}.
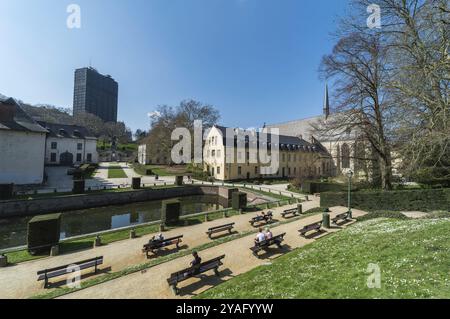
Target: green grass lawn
{"type": "Point", "coordinates": [413, 256]}
{"type": "Point", "coordinates": [116, 172]}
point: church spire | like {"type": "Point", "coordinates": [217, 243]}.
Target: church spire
{"type": "Point", "coordinates": [326, 103]}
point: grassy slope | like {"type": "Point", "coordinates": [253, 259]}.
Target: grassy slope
{"type": "Point", "coordinates": [116, 172]}
{"type": "Point", "coordinates": [414, 257]}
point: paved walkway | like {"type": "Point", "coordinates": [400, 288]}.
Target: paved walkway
{"type": "Point", "coordinates": [152, 283]}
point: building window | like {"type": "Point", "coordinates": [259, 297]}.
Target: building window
{"type": "Point", "coordinates": [256, 170]}
{"type": "Point", "coordinates": [53, 157]}
{"type": "Point", "coordinates": [239, 170]}
{"type": "Point", "coordinates": [89, 157]}
{"type": "Point", "coordinates": [345, 151]}
{"type": "Point", "coordinates": [54, 145]}
{"type": "Point", "coordinates": [213, 154]}
{"type": "Point", "coordinates": [218, 170]}
{"type": "Point", "coordinates": [79, 146]}
{"type": "Point", "coordinates": [78, 157]}
{"type": "Point", "coordinates": [219, 153]}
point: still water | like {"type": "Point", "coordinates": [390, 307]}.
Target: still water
{"type": "Point", "coordinates": [13, 231]}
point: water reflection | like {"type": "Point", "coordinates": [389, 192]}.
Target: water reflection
{"type": "Point", "coordinates": [13, 231]}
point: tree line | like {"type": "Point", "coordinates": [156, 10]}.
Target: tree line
{"type": "Point", "coordinates": [104, 131]}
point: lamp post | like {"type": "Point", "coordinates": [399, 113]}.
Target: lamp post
{"type": "Point", "coordinates": [350, 175]}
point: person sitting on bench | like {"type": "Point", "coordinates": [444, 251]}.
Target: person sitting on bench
{"type": "Point", "coordinates": [195, 264]}
{"type": "Point", "coordinates": [269, 234]}
{"type": "Point", "coordinates": [260, 237]}
{"type": "Point", "coordinates": [159, 237]}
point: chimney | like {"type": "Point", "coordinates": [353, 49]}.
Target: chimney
{"type": "Point", "coordinates": [7, 112]}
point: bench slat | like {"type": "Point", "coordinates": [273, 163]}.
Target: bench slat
{"type": "Point", "coordinates": [62, 270]}
{"type": "Point", "coordinates": [99, 261]}
{"type": "Point", "coordinates": [190, 269]}
{"type": "Point", "coordinates": [220, 227]}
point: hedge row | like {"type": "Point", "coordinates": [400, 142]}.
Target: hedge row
{"type": "Point", "coordinates": [318, 187]}
{"type": "Point", "coordinates": [407, 200]}
{"type": "Point", "coordinates": [142, 169]}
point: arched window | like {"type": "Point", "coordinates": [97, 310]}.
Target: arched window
{"type": "Point", "coordinates": [345, 151]}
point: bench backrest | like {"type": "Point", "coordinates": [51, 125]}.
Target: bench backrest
{"type": "Point", "coordinates": [272, 240]}
{"type": "Point", "coordinates": [261, 217]}
{"type": "Point", "coordinates": [182, 273]}
{"type": "Point", "coordinates": [97, 260]}
{"type": "Point", "coordinates": [312, 226]}
{"type": "Point", "coordinates": [159, 242]}
{"type": "Point", "coordinates": [222, 226]}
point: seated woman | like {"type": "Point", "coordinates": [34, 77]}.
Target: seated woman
{"type": "Point", "coordinates": [269, 234]}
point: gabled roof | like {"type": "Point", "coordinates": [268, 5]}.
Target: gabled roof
{"type": "Point", "coordinates": [66, 131]}
{"type": "Point", "coordinates": [14, 118]}
{"type": "Point", "coordinates": [284, 141]}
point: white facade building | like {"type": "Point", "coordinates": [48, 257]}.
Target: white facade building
{"type": "Point", "coordinates": [22, 146]}
{"type": "Point", "coordinates": [67, 145]}
{"type": "Point", "coordinates": [143, 156]}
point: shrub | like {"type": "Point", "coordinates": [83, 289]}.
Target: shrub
{"type": "Point", "coordinates": [382, 214]}
{"type": "Point", "coordinates": [437, 215]}
{"type": "Point", "coordinates": [407, 200]}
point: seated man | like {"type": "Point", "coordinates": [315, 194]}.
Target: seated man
{"type": "Point", "coordinates": [269, 234]}
{"type": "Point", "coordinates": [195, 264]}
{"type": "Point", "coordinates": [260, 237]}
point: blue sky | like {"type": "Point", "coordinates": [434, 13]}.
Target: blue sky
{"type": "Point", "coordinates": [255, 60]}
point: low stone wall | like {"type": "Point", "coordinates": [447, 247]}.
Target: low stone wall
{"type": "Point", "coordinates": [18, 208]}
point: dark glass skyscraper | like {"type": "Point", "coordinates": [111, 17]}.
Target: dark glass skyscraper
{"type": "Point", "coordinates": [96, 94]}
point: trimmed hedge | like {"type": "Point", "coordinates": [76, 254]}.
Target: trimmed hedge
{"type": "Point", "coordinates": [407, 200]}
{"type": "Point", "coordinates": [311, 187]}
{"type": "Point", "coordinates": [142, 169]}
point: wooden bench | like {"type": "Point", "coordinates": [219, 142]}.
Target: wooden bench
{"type": "Point", "coordinates": [308, 228]}
{"type": "Point", "coordinates": [293, 212]}
{"type": "Point", "coordinates": [221, 228]}
{"type": "Point", "coordinates": [62, 270]}
{"type": "Point", "coordinates": [343, 217]}
{"type": "Point", "coordinates": [154, 245]}
{"type": "Point", "coordinates": [190, 272]}
{"type": "Point", "coordinates": [276, 240]}
{"type": "Point", "coordinates": [267, 218]}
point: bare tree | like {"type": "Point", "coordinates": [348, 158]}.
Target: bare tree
{"type": "Point", "coordinates": [418, 37]}
{"type": "Point", "coordinates": [360, 72]}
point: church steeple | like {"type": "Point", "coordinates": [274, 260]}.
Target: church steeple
{"type": "Point", "coordinates": [326, 103]}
